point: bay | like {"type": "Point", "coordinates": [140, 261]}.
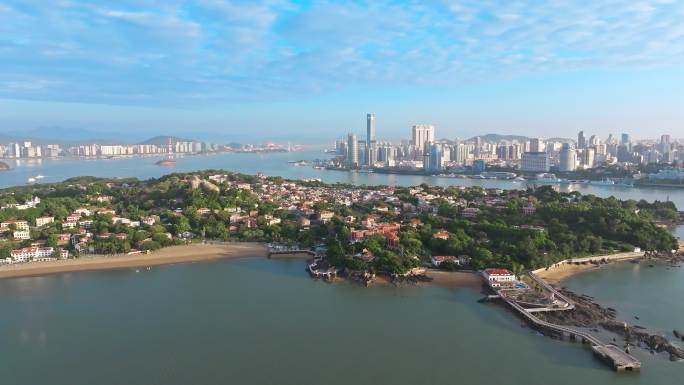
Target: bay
{"type": "Point", "coordinates": [260, 321]}
{"type": "Point", "coordinates": [276, 164]}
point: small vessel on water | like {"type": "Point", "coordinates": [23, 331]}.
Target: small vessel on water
{"type": "Point", "coordinates": [31, 180]}
{"type": "Point", "coordinates": [547, 178]}
{"type": "Point", "coordinates": [603, 182]}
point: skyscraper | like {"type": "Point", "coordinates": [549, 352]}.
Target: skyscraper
{"type": "Point", "coordinates": [371, 151]}
{"type": "Point", "coordinates": [581, 140]}
{"type": "Point", "coordinates": [588, 157]}
{"type": "Point", "coordinates": [568, 158]}
{"type": "Point", "coordinates": [352, 151]}
{"type": "Point", "coordinates": [433, 160]}
{"type": "Point", "coordinates": [536, 145]}
{"type": "Point", "coordinates": [370, 129]}
{"type": "Point", "coordinates": [422, 134]}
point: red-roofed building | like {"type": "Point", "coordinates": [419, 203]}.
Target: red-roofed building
{"type": "Point", "coordinates": [498, 275]}
{"type": "Point", "coordinates": [439, 259]}
{"type": "Point", "coordinates": [441, 235]}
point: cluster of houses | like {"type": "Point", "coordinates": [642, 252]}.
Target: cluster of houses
{"type": "Point", "coordinates": [76, 231]}
{"type": "Point", "coordinates": [307, 202]}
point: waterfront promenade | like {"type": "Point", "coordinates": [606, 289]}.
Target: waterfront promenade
{"type": "Point", "coordinates": [611, 354]}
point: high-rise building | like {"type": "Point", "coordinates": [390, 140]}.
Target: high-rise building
{"type": "Point", "coordinates": [588, 157]}
{"type": "Point", "coordinates": [535, 162]}
{"type": "Point", "coordinates": [594, 140]}
{"type": "Point", "coordinates": [568, 158]}
{"type": "Point", "coordinates": [422, 134]}
{"type": "Point", "coordinates": [370, 129]}
{"type": "Point", "coordinates": [581, 140]}
{"type": "Point", "coordinates": [537, 145]}
{"type": "Point", "coordinates": [352, 151]}
{"type": "Point", "coordinates": [625, 139]}
{"type": "Point", "coordinates": [433, 160]}
{"type": "Point", "coordinates": [371, 150]}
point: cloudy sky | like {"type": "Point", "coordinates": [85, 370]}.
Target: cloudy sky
{"type": "Point", "coordinates": [312, 69]}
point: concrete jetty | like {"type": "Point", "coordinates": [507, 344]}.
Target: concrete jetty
{"type": "Point", "coordinates": [609, 353]}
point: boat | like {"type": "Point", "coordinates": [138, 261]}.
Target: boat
{"type": "Point", "coordinates": [547, 178]}
{"type": "Point", "coordinates": [31, 180]}
{"type": "Point", "coordinates": [39, 176]}
{"type": "Point", "coordinates": [603, 182]}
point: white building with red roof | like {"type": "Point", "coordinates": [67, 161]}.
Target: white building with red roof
{"type": "Point", "coordinates": [498, 275]}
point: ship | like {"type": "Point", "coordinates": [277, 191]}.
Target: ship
{"type": "Point", "coordinates": [603, 182]}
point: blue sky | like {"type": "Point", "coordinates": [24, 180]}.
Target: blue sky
{"type": "Point", "coordinates": [312, 69]}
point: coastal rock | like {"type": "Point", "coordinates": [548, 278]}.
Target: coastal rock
{"type": "Point", "coordinates": [678, 334]}
{"type": "Point", "coordinates": [589, 314]}
{"type": "Point", "coordinates": [4, 166]}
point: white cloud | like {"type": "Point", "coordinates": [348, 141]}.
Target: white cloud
{"type": "Point", "coordinates": [221, 49]}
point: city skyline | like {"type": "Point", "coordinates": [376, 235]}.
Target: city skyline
{"type": "Point", "coordinates": [306, 70]}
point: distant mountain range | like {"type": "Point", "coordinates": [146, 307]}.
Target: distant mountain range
{"type": "Point", "coordinates": [67, 136]}
{"type": "Point", "coordinates": [75, 136]}
{"type": "Point", "coordinates": [162, 140]}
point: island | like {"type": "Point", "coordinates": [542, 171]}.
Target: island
{"type": "Point", "coordinates": [364, 234]}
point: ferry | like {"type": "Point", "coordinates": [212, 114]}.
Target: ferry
{"type": "Point", "coordinates": [603, 182]}
{"type": "Point", "coordinates": [547, 178]}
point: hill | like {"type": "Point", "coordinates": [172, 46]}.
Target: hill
{"type": "Point", "coordinates": [161, 140]}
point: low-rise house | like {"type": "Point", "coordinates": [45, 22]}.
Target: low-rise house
{"type": "Point", "coordinates": [21, 234]}
{"type": "Point", "coordinates": [42, 221]}
{"type": "Point", "coordinates": [441, 235]}
{"type": "Point", "coordinates": [498, 275]}
{"type": "Point", "coordinates": [63, 239]}
{"type": "Point", "coordinates": [69, 224]}
{"type": "Point", "coordinates": [121, 221]}
{"type": "Point", "coordinates": [30, 253]}
{"type": "Point", "coordinates": [529, 210]}
{"type": "Point", "coordinates": [82, 211]}
{"type": "Point", "coordinates": [18, 224]}
{"type": "Point", "coordinates": [150, 220]}
{"type": "Point", "coordinates": [437, 260]}
{"type": "Point", "coordinates": [325, 216]}
{"type": "Point", "coordinates": [470, 212]}
{"type": "Point", "coordinates": [304, 222]}
{"type": "Point", "coordinates": [104, 211]}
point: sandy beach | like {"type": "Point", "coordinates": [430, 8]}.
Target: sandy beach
{"type": "Point", "coordinates": [166, 256]}
{"type": "Point", "coordinates": [555, 275]}
{"type": "Point", "coordinates": [453, 279]}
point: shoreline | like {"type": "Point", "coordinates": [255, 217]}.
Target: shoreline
{"type": "Point", "coordinates": [563, 270]}
{"type": "Point", "coordinates": [166, 256]}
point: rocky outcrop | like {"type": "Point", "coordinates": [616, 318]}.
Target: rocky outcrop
{"type": "Point", "coordinates": [678, 334]}
{"type": "Point", "coordinates": [591, 315]}
{"type": "Point", "coordinates": [4, 166]}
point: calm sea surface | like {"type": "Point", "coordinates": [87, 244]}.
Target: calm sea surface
{"type": "Point", "coordinates": [276, 164]}
{"type": "Point", "coordinates": [258, 321]}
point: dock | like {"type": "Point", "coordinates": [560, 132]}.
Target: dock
{"type": "Point", "coordinates": [284, 250]}
{"type": "Point", "coordinates": [609, 353]}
